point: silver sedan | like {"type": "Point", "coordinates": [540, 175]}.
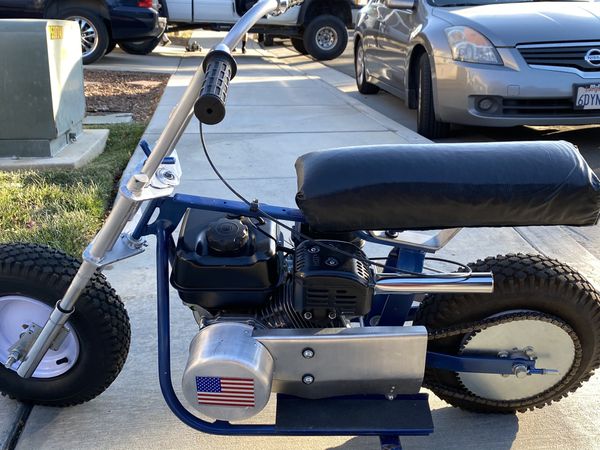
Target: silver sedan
{"type": "Point", "coordinates": [483, 62]}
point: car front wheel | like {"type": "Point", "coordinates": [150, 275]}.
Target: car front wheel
{"type": "Point", "coordinates": [364, 87]}
{"type": "Point", "coordinates": [94, 34]}
{"type": "Point", "coordinates": [427, 124]}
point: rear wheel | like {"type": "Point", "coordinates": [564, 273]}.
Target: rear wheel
{"type": "Point", "coordinates": [560, 328]}
{"type": "Point", "coordinates": [32, 279]}
{"type": "Point", "coordinates": [360, 69]}
{"type": "Point", "coordinates": [298, 45]}
{"type": "Point", "coordinates": [140, 47]}
{"type": "Point", "coordinates": [94, 34]}
{"type": "Point", "coordinates": [427, 124]}
{"type": "Point", "coordinates": [325, 37]}
{"type": "Point", "coordinates": [111, 47]}
{"type": "Point", "coordinates": [268, 40]}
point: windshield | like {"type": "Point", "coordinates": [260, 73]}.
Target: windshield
{"type": "Point", "coordinates": [490, 2]}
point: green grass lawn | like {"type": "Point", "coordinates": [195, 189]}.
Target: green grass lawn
{"type": "Point", "coordinates": [65, 208]}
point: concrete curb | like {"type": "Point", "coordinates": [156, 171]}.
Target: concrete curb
{"type": "Point", "coordinates": [10, 438]}
{"type": "Point", "coordinates": [88, 146]}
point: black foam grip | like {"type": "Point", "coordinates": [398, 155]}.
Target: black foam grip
{"type": "Point", "coordinates": [219, 69]}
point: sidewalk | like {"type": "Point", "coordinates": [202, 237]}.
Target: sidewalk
{"type": "Point", "coordinates": [277, 112]}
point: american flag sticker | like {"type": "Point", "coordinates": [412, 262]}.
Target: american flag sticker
{"type": "Point", "coordinates": [224, 391]}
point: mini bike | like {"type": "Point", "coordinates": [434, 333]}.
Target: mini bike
{"type": "Point", "coordinates": [344, 341]}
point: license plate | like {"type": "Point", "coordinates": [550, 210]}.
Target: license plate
{"type": "Point", "coordinates": [587, 96]}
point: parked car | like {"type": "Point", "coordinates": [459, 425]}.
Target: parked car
{"type": "Point", "coordinates": [317, 27]}
{"type": "Point", "coordinates": [103, 23]}
{"type": "Point", "coordinates": [483, 62]}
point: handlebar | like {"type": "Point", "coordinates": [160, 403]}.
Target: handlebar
{"type": "Point", "coordinates": [219, 69]}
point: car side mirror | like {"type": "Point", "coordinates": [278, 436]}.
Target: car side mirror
{"type": "Point", "coordinates": [400, 4]}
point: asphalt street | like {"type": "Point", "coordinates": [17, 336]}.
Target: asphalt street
{"type": "Point", "coordinates": [586, 138]}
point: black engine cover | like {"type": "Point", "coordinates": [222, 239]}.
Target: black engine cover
{"type": "Point", "coordinates": [224, 263]}
{"type": "Point", "coordinates": [328, 283]}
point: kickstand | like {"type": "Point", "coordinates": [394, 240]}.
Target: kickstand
{"type": "Point", "coordinates": [390, 442]}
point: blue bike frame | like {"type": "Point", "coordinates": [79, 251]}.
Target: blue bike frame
{"type": "Point", "coordinates": [388, 309]}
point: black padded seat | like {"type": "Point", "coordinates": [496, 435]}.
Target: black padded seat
{"type": "Point", "coordinates": [435, 186]}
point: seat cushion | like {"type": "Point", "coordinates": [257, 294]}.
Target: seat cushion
{"type": "Point", "coordinates": [435, 186]}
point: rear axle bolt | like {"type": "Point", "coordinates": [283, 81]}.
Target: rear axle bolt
{"type": "Point", "coordinates": [308, 379]}
{"type": "Point", "coordinates": [520, 371]}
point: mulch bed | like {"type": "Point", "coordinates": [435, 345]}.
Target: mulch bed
{"type": "Point", "coordinates": [108, 92]}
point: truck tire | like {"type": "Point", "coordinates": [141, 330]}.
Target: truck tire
{"type": "Point", "coordinates": [298, 45]}
{"type": "Point", "coordinates": [325, 37]}
{"type": "Point", "coordinates": [140, 47]}
{"type": "Point", "coordinates": [94, 34]}
{"type": "Point", "coordinates": [268, 40]}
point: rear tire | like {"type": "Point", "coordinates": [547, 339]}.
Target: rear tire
{"type": "Point", "coordinates": [325, 37]}
{"type": "Point", "coordinates": [94, 34]}
{"type": "Point", "coordinates": [111, 47]}
{"type": "Point", "coordinates": [427, 124]}
{"type": "Point", "coordinates": [360, 70]}
{"type": "Point", "coordinates": [298, 45]}
{"type": "Point", "coordinates": [100, 324]}
{"type": "Point", "coordinates": [268, 40]}
{"type": "Point", "coordinates": [522, 282]}
{"type": "Point", "coordinates": [140, 47]}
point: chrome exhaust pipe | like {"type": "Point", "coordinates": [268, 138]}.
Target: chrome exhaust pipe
{"type": "Point", "coordinates": [475, 282]}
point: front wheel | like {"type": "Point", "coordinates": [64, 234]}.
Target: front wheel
{"type": "Point", "coordinates": [325, 37]}
{"type": "Point", "coordinates": [95, 39]}
{"type": "Point", "coordinates": [552, 315]}
{"type": "Point", "coordinates": [360, 69]}
{"type": "Point", "coordinates": [427, 123]}
{"type": "Point", "coordinates": [298, 45]}
{"type": "Point", "coordinates": [32, 279]}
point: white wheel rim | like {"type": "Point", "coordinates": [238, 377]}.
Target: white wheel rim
{"type": "Point", "coordinates": [89, 35]}
{"type": "Point", "coordinates": [553, 347]}
{"type": "Point", "coordinates": [16, 311]}
{"type": "Point", "coordinates": [326, 38]}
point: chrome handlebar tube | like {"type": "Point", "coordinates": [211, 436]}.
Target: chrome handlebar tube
{"type": "Point", "coordinates": [110, 244]}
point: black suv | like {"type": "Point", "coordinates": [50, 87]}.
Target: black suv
{"type": "Point", "coordinates": [135, 25]}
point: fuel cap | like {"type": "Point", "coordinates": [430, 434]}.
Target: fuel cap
{"type": "Point", "coordinates": [227, 235]}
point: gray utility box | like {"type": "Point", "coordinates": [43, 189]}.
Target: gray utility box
{"type": "Point", "coordinates": [41, 86]}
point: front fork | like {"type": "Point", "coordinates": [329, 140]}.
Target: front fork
{"type": "Point", "coordinates": [155, 178]}
{"type": "Point", "coordinates": [108, 246]}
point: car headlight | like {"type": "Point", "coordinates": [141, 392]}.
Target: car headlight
{"type": "Point", "coordinates": [469, 45]}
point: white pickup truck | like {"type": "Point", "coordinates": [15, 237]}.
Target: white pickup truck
{"type": "Point", "coordinates": [317, 27]}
